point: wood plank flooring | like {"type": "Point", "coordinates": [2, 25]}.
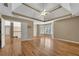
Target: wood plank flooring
{"type": "Point", "coordinates": [12, 47]}
{"type": "Point", "coordinates": [39, 46]}
{"type": "Point", "coordinates": [65, 48]}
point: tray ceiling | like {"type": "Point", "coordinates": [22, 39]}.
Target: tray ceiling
{"type": "Point", "coordinates": [49, 11]}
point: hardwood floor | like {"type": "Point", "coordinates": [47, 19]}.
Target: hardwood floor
{"type": "Point", "coordinates": [12, 47]}
{"type": "Point", "coordinates": [39, 46]}
{"type": "Point", "coordinates": [66, 48]}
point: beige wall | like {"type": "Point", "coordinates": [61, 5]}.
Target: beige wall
{"type": "Point", "coordinates": [67, 29]}
{"type": "Point", "coordinates": [38, 30]}
{"type": "Point", "coordinates": [30, 28]}
{"type": "Point", "coordinates": [27, 30]}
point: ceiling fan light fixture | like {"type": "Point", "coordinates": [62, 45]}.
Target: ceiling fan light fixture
{"type": "Point", "coordinates": [43, 13]}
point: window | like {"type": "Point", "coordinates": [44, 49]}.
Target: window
{"type": "Point", "coordinates": [45, 29]}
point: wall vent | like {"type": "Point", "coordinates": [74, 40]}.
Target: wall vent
{"type": "Point", "coordinates": [6, 4]}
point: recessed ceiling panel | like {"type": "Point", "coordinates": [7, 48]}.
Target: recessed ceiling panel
{"type": "Point", "coordinates": [31, 10]}
{"type": "Point", "coordinates": [58, 13]}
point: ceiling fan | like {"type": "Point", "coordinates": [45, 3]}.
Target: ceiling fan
{"type": "Point", "coordinates": [44, 12]}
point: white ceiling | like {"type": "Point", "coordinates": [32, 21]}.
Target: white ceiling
{"type": "Point", "coordinates": [42, 6]}
{"type": "Point", "coordinates": [58, 13]}
{"type": "Point", "coordinates": [4, 10]}
{"type": "Point", "coordinates": [30, 10]}
{"type": "Point", "coordinates": [25, 10]}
